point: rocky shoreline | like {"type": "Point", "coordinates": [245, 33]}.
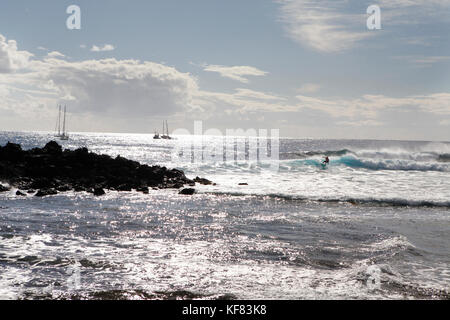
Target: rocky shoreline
{"type": "Point", "coordinates": [49, 170]}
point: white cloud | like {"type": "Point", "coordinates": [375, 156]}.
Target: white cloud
{"type": "Point", "coordinates": [237, 73]}
{"type": "Point", "coordinates": [256, 95]}
{"type": "Point", "coordinates": [332, 26]}
{"type": "Point", "coordinates": [106, 47]}
{"type": "Point", "coordinates": [422, 61]}
{"type": "Point", "coordinates": [106, 94]}
{"type": "Point", "coordinates": [12, 59]}
{"type": "Point", "coordinates": [369, 106]}
{"type": "Point", "coordinates": [242, 101]}
{"type": "Point", "coordinates": [363, 110]}
{"type": "Point", "coordinates": [121, 87]}
{"type": "Point", "coordinates": [118, 89]}
{"type": "Point", "coordinates": [55, 54]}
{"type": "Point", "coordinates": [360, 123]}
{"type": "Point", "coordinates": [430, 59]}
{"type": "Point", "coordinates": [322, 24]}
{"type": "Point", "coordinates": [309, 88]}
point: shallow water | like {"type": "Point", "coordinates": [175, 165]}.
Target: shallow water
{"type": "Point", "coordinates": [373, 224]}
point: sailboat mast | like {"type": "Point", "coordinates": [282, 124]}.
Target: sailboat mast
{"type": "Point", "coordinates": [64, 123]}
{"type": "Point", "coordinates": [167, 128]}
{"type": "Point", "coordinates": [59, 121]}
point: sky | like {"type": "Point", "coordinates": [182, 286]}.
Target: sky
{"type": "Point", "coordinates": [312, 69]}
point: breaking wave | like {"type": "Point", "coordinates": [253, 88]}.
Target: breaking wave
{"type": "Point", "coordinates": [425, 155]}
{"type": "Point", "coordinates": [390, 164]}
{"type": "Point", "coordinates": [371, 160]}
{"type": "Point", "coordinates": [375, 164]}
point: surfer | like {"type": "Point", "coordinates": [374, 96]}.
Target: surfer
{"type": "Point", "coordinates": [326, 161]}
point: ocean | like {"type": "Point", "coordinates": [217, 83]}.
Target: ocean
{"type": "Point", "coordinates": [373, 224]}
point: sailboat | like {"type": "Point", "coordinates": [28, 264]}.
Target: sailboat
{"type": "Point", "coordinates": [165, 132]}
{"type": "Point", "coordinates": [62, 135]}
{"type": "Point", "coordinates": [166, 136]}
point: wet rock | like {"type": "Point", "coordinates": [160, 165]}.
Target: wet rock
{"type": "Point", "coordinates": [177, 185]}
{"type": "Point", "coordinates": [11, 152]}
{"type": "Point", "coordinates": [79, 189]}
{"type": "Point", "coordinates": [99, 192]}
{"type": "Point", "coordinates": [243, 184]}
{"type": "Point", "coordinates": [144, 190]}
{"type": "Point", "coordinates": [51, 168]}
{"type": "Point", "coordinates": [53, 148]}
{"type": "Point", "coordinates": [202, 181]}
{"type": "Point", "coordinates": [46, 192]}
{"type": "Point", "coordinates": [124, 187]}
{"type": "Point", "coordinates": [24, 184]}
{"type": "Point", "coordinates": [4, 188]}
{"type": "Point", "coordinates": [42, 183]}
{"type": "Point", "coordinates": [64, 188]}
{"type": "Point", "coordinates": [20, 194]}
{"type": "Point", "coordinates": [187, 191]}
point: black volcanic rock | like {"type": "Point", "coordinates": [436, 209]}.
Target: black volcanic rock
{"type": "Point", "coordinates": [144, 190]}
{"type": "Point", "coordinates": [11, 151]}
{"type": "Point", "coordinates": [46, 192]}
{"type": "Point", "coordinates": [64, 187]}
{"type": "Point", "coordinates": [187, 191]}
{"type": "Point", "coordinates": [4, 188]}
{"type": "Point", "coordinates": [50, 169]}
{"type": "Point", "coordinates": [52, 148]}
{"type": "Point", "coordinates": [202, 181]}
{"type": "Point", "coordinates": [99, 192]}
